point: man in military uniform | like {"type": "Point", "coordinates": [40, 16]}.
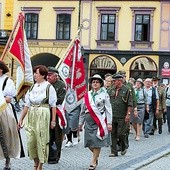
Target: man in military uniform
{"type": "Point", "coordinates": [162, 105]}
{"type": "Point", "coordinates": [134, 106]}
{"type": "Point", "coordinates": [56, 134]}
{"type": "Point", "coordinates": [120, 95]}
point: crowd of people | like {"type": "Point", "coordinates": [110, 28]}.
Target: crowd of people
{"type": "Point", "coordinates": [145, 106]}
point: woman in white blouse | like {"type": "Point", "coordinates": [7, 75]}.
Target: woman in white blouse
{"type": "Point", "coordinates": [38, 101]}
{"type": "Point", "coordinates": [9, 137]}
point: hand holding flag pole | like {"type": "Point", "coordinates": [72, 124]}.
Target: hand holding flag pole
{"type": "Point", "coordinates": [71, 70]}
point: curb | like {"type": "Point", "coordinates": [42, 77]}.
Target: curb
{"type": "Point", "coordinates": [149, 161]}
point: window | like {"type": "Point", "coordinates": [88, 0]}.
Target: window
{"type": "Point", "coordinates": [31, 25]}
{"type": "Point", "coordinates": [107, 27]}
{"type": "Point", "coordinates": [102, 65]}
{"type": "Point", "coordinates": [143, 67]}
{"type": "Point", "coordinates": [107, 33]}
{"type": "Point", "coordinates": [142, 28]}
{"type": "Point", "coordinates": [63, 26]}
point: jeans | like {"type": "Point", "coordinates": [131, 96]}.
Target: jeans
{"type": "Point", "coordinates": [148, 124]}
{"type": "Point", "coordinates": [168, 118]}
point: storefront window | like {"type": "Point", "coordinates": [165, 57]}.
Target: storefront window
{"type": "Point", "coordinates": [102, 65]}
{"type": "Point", "coordinates": [143, 67]}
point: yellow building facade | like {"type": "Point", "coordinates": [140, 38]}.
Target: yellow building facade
{"type": "Point", "coordinates": [116, 35]}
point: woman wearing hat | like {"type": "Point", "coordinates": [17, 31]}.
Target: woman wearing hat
{"type": "Point", "coordinates": [97, 116]}
{"type": "Point", "coordinates": [9, 138]}
{"type": "Point", "coordinates": [137, 120]}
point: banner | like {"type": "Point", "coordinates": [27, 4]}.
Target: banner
{"type": "Point", "coordinates": [71, 70]}
{"type": "Point", "coordinates": [19, 50]}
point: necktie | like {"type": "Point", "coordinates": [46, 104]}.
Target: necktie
{"type": "Point", "coordinates": [117, 92]}
{"type": "Point", "coordinates": [137, 94]}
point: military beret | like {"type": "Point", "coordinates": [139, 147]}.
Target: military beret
{"type": "Point", "coordinates": [117, 76]}
{"type": "Point", "coordinates": [52, 69]}
{"type": "Point", "coordinates": [122, 72]}
{"type": "Point", "coordinates": [107, 75]}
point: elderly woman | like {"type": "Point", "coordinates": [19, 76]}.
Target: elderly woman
{"type": "Point", "coordinates": [141, 98]}
{"type": "Point", "coordinates": [97, 116]}
{"type": "Point", "coordinates": [9, 137]}
{"type": "Point", "coordinates": [38, 100]}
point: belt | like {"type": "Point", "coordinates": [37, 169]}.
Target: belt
{"type": "Point", "coordinates": [140, 103]}
{"type": "Point", "coordinates": [40, 105]}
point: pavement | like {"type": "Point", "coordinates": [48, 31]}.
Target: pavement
{"type": "Point", "coordinates": [143, 154]}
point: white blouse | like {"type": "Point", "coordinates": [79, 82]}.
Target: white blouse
{"type": "Point", "coordinates": [9, 90]}
{"type": "Point", "coordinates": [38, 93]}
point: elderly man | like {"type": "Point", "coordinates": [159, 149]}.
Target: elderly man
{"type": "Point", "coordinates": [162, 105]}
{"type": "Point", "coordinates": [153, 103]}
{"type": "Point", "coordinates": [57, 133]}
{"type": "Point", "coordinates": [134, 106]}
{"type": "Point", "coordinates": [120, 95]}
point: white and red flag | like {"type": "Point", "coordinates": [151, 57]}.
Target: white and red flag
{"type": "Point", "coordinates": [71, 70]}
{"type": "Point", "coordinates": [17, 47]}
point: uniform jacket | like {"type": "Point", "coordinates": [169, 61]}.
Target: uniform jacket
{"type": "Point", "coordinates": [121, 102]}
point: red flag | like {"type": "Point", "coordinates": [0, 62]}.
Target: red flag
{"type": "Point", "coordinates": [18, 49]}
{"type": "Point", "coordinates": [72, 72]}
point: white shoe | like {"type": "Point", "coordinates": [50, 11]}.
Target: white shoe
{"type": "Point", "coordinates": [75, 141]}
{"type": "Point", "coordinates": [68, 144]}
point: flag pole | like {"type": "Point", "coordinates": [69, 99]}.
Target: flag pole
{"type": "Point", "coordinates": [69, 46]}
{"type": "Point", "coordinates": [9, 40]}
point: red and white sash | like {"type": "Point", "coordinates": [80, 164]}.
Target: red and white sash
{"type": "Point", "coordinates": [99, 118]}
{"type": "Point", "coordinates": [61, 115]}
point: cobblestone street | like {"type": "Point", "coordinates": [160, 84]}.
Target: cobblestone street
{"type": "Point", "coordinates": [141, 154]}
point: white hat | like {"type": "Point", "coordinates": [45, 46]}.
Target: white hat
{"type": "Point", "coordinates": [140, 80]}
{"type": "Point", "coordinates": [96, 77]}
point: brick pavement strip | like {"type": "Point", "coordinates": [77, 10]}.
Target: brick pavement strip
{"type": "Point", "coordinates": [139, 154]}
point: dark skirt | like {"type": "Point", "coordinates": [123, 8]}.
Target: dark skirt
{"type": "Point", "coordinates": [90, 138]}
{"type": "Point", "coordinates": [141, 112]}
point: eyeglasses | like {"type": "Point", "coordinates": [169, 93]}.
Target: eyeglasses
{"type": "Point", "coordinates": [95, 81]}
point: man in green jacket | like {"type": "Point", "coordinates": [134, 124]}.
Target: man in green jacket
{"type": "Point", "coordinates": [57, 133]}
{"type": "Point", "coordinates": [120, 95]}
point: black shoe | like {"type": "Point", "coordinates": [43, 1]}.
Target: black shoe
{"type": "Point", "coordinates": [113, 155]}
{"type": "Point", "coordinates": [6, 168]}
{"type": "Point", "coordinates": [123, 152]}
{"type": "Point", "coordinates": [160, 131]}
{"type": "Point", "coordinates": [151, 133]}
{"type": "Point", "coordinates": [53, 162]}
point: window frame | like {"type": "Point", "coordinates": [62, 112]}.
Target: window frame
{"type": "Point", "coordinates": [108, 24]}
{"type": "Point", "coordinates": [142, 25]}
{"type": "Point", "coordinates": [65, 11]}
{"type": "Point", "coordinates": [113, 44]}
{"type": "Point", "coordinates": [32, 10]}
{"type": "Point", "coordinates": [63, 26]}
{"type": "Point", "coordinates": [142, 45]}
{"type": "Point", "coordinates": [31, 30]}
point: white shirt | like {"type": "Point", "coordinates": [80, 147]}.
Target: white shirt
{"type": "Point", "coordinates": [38, 93]}
{"type": "Point", "coordinates": [9, 90]}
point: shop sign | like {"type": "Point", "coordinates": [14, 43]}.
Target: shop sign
{"type": "Point", "coordinates": [165, 72]}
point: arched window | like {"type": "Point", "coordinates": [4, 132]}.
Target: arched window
{"type": "Point", "coordinates": [143, 67]}
{"type": "Point", "coordinates": [102, 65]}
